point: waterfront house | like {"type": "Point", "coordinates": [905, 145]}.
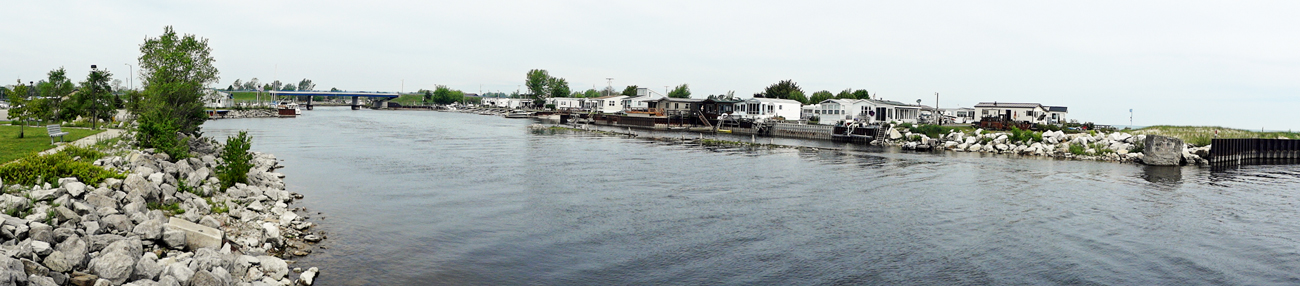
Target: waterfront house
{"type": "Point", "coordinates": [809, 110]}
{"type": "Point", "coordinates": [679, 106]}
{"type": "Point", "coordinates": [566, 103]}
{"type": "Point", "coordinates": [1056, 114]}
{"type": "Point", "coordinates": [867, 110]}
{"type": "Point", "coordinates": [715, 107]}
{"type": "Point", "coordinates": [1013, 111]}
{"type": "Point", "coordinates": [765, 108]}
{"type": "Point", "coordinates": [641, 103]}
{"type": "Point", "coordinates": [216, 99]}
{"type": "Point", "coordinates": [606, 104]}
{"type": "Point", "coordinates": [504, 102]}
{"type": "Point", "coordinates": [959, 115]}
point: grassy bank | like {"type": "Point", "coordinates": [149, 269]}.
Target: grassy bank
{"type": "Point", "coordinates": [36, 140]}
{"type": "Point", "coordinates": [1201, 135]}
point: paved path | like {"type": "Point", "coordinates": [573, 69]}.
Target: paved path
{"type": "Point", "coordinates": [89, 140]}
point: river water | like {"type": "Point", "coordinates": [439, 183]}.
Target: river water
{"type": "Point", "coordinates": [420, 198]}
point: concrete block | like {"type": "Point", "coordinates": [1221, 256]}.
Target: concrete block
{"type": "Point", "coordinates": [196, 235]}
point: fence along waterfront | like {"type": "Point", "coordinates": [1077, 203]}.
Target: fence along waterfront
{"type": "Point", "coordinates": [1251, 151]}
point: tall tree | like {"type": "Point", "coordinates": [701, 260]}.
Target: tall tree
{"type": "Point", "coordinates": [591, 93]}
{"type": "Point", "coordinates": [820, 96]}
{"type": "Point", "coordinates": [251, 84]}
{"type": "Point", "coordinates": [558, 87]}
{"type": "Point", "coordinates": [18, 106]}
{"type": "Point", "coordinates": [629, 90]}
{"type": "Point", "coordinates": [288, 87]}
{"type": "Point", "coordinates": [306, 85]}
{"type": "Point", "coordinates": [94, 99]}
{"type": "Point", "coordinates": [798, 96]}
{"type": "Point", "coordinates": [175, 70]}
{"type": "Point", "coordinates": [276, 85]}
{"type": "Point", "coordinates": [846, 94]}
{"type": "Point", "coordinates": [782, 89]}
{"type": "Point", "coordinates": [681, 91]}
{"type": "Point", "coordinates": [537, 81]}
{"type": "Point", "coordinates": [861, 94]}
{"type": "Point", "coordinates": [444, 95]}
{"type": "Point", "coordinates": [55, 87]}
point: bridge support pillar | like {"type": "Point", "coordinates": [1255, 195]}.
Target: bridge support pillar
{"type": "Point", "coordinates": [355, 105]}
{"type": "Point", "coordinates": [309, 106]}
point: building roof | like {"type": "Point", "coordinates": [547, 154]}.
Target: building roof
{"type": "Point", "coordinates": [674, 99]}
{"type": "Point", "coordinates": [1009, 104]}
{"type": "Point", "coordinates": [777, 100]}
{"type": "Point", "coordinates": [1058, 109]}
{"type": "Point", "coordinates": [611, 96]}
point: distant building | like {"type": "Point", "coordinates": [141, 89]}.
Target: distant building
{"type": "Point", "coordinates": [216, 99]}
{"type": "Point", "coordinates": [1056, 114]}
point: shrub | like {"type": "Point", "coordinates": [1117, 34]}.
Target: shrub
{"type": "Point", "coordinates": [160, 131]}
{"type": "Point", "coordinates": [173, 208]}
{"type": "Point", "coordinates": [82, 153]}
{"type": "Point", "coordinates": [905, 125]}
{"type": "Point", "coordinates": [218, 207]}
{"type": "Point", "coordinates": [235, 160]}
{"type": "Point", "coordinates": [1018, 135]}
{"type": "Point", "coordinates": [1078, 149]}
{"type": "Point", "coordinates": [36, 169]}
{"type": "Point", "coordinates": [934, 131]}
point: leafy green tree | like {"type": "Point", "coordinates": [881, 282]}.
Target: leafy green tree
{"type": "Point", "coordinates": [444, 95]}
{"type": "Point", "coordinates": [235, 160]}
{"type": "Point", "coordinates": [251, 84]}
{"type": "Point", "coordinates": [576, 94]}
{"type": "Point", "coordinates": [287, 87]}
{"type": "Point", "coordinates": [558, 87]}
{"type": "Point", "coordinates": [798, 96]}
{"type": "Point", "coordinates": [95, 99]}
{"type": "Point", "coordinates": [681, 91]}
{"type": "Point", "coordinates": [846, 94]}
{"type": "Point", "coordinates": [783, 90]}
{"type": "Point", "coordinates": [334, 89]}
{"type": "Point", "coordinates": [175, 70]}
{"type": "Point", "coordinates": [591, 93]}
{"type": "Point", "coordinates": [306, 85]}
{"type": "Point", "coordinates": [629, 90]}
{"type": "Point", "coordinates": [820, 96]}
{"type": "Point", "coordinates": [276, 85]}
{"type": "Point", "coordinates": [19, 107]}
{"type": "Point", "coordinates": [861, 94]}
{"type": "Point", "coordinates": [54, 89]}
{"type": "Point", "coordinates": [537, 81]}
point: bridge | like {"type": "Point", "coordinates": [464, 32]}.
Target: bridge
{"type": "Point", "coordinates": [355, 95]}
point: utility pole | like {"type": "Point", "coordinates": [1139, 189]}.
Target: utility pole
{"type": "Point", "coordinates": [609, 88]}
{"type": "Point", "coordinates": [939, 114]}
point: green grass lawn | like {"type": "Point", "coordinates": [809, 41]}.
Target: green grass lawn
{"type": "Point", "coordinates": [1201, 135]}
{"type": "Point", "coordinates": [35, 140]}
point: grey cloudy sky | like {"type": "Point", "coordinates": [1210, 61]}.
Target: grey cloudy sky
{"type": "Point", "coordinates": [1228, 63]}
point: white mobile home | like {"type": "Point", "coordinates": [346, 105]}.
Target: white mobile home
{"type": "Point", "coordinates": [1056, 114]}
{"type": "Point", "coordinates": [504, 102]}
{"type": "Point", "coordinates": [1012, 111]}
{"type": "Point", "coordinates": [566, 103]}
{"type": "Point", "coordinates": [606, 104]}
{"type": "Point", "coordinates": [764, 108]}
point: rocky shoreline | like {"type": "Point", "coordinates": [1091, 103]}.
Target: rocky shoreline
{"type": "Point", "coordinates": [164, 224]}
{"type": "Point", "coordinates": [1098, 146]}
{"type": "Point", "coordinates": [250, 113]}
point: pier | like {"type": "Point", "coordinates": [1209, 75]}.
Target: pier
{"type": "Point", "coordinates": [1225, 153]}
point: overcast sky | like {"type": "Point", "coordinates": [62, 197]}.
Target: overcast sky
{"type": "Point", "coordinates": [1230, 63]}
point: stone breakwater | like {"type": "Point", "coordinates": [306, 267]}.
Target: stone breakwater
{"type": "Point", "coordinates": [250, 113]}
{"type": "Point", "coordinates": [165, 224]}
{"type": "Point", "coordinates": [1100, 146]}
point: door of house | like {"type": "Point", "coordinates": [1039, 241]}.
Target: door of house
{"type": "Point", "coordinates": [1007, 115]}
{"type": "Point", "coordinates": [880, 114]}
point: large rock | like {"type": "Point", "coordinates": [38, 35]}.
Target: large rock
{"type": "Point", "coordinates": [138, 184]}
{"type": "Point", "coordinates": [308, 277]}
{"type": "Point", "coordinates": [146, 268]}
{"type": "Point", "coordinates": [1162, 151]}
{"type": "Point", "coordinates": [196, 235]}
{"type": "Point", "coordinates": [273, 267]}
{"type": "Point", "coordinates": [174, 238]}
{"type": "Point", "coordinates": [894, 135]}
{"type": "Point", "coordinates": [74, 188]}
{"type": "Point", "coordinates": [115, 266]}
{"type": "Point", "coordinates": [118, 222]}
{"type": "Point", "coordinates": [179, 271]}
{"type": "Point", "coordinates": [12, 271]}
{"type": "Point", "coordinates": [205, 278]}
{"type": "Point", "coordinates": [150, 229]}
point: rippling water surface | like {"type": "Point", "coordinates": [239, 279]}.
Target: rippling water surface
{"type": "Point", "coordinates": [414, 197]}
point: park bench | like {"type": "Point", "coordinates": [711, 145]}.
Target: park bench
{"type": "Point", "coordinates": [55, 130]}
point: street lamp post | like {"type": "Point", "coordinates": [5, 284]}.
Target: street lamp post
{"type": "Point", "coordinates": [130, 80]}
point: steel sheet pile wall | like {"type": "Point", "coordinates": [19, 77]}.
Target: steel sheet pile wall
{"type": "Point", "coordinates": [802, 131]}
{"type": "Point", "coordinates": [1234, 152]}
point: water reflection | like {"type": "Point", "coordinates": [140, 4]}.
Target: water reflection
{"type": "Point", "coordinates": [1166, 176]}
